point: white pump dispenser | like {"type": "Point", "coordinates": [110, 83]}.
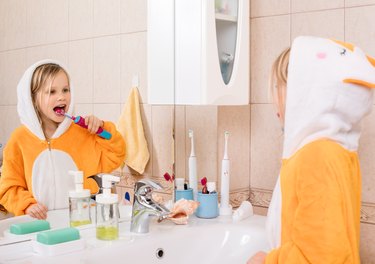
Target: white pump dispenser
{"type": "Point", "coordinates": [79, 192]}
{"type": "Point", "coordinates": [79, 201]}
{"type": "Point", "coordinates": [193, 179]}
{"type": "Point", "coordinates": [107, 211]}
{"type": "Point", "coordinates": [225, 207]}
{"type": "Point", "coordinates": [107, 197]}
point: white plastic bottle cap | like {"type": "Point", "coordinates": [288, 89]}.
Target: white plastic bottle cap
{"type": "Point", "coordinates": [211, 186]}
{"type": "Point", "coordinates": [180, 183]}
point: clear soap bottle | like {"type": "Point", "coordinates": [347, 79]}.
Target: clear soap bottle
{"type": "Point", "coordinates": [79, 202]}
{"type": "Point", "coordinates": [107, 210]}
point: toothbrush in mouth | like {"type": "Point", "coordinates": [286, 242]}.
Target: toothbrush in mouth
{"type": "Point", "coordinates": [79, 120]}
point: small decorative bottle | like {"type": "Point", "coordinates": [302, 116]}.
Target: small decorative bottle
{"type": "Point", "coordinates": [107, 210]}
{"type": "Point", "coordinates": [79, 202]}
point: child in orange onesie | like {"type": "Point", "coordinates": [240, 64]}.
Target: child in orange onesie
{"type": "Point", "coordinates": [314, 215]}
{"type": "Point", "coordinates": [47, 145]}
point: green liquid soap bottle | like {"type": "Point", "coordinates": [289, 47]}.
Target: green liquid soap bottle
{"type": "Point", "coordinates": [107, 210]}
{"type": "Point", "coordinates": [79, 202]}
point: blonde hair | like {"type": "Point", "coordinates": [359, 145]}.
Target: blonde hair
{"type": "Point", "coordinates": [42, 75]}
{"type": "Point", "coordinates": [278, 81]}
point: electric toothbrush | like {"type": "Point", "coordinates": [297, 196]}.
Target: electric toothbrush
{"type": "Point", "coordinates": [193, 179]}
{"type": "Point", "coordinates": [79, 120]}
{"type": "Point", "coordinates": [225, 207]}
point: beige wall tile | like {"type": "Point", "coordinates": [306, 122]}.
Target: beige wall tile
{"type": "Point", "coordinates": [108, 112]}
{"type": "Point", "coordinates": [81, 19]}
{"type": "Point", "coordinates": [306, 5]}
{"type": "Point", "coordinates": [366, 155]}
{"type": "Point", "coordinates": [259, 8]}
{"type": "Point", "coordinates": [57, 52]}
{"type": "Point", "coordinates": [10, 121]}
{"type": "Point", "coordinates": [357, 29]}
{"type": "Point", "coordinates": [266, 146]}
{"type": "Point", "coordinates": [81, 69]}
{"type": "Point", "coordinates": [203, 121]}
{"type": "Point", "coordinates": [133, 15]}
{"type": "Point", "coordinates": [12, 67]}
{"type": "Point", "coordinates": [266, 44]}
{"type": "Point", "coordinates": [319, 24]}
{"type": "Point", "coordinates": [134, 62]}
{"type": "Point", "coordinates": [367, 249]}
{"type": "Point", "coordinates": [180, 142]}
{"type": "Point", "coordinates": [107, 70]}
{"type": "Point", "coordinates": [4, 28]}
{"type": "Point", "coordinates": [260, 210]}
{"type": "Point", "coordinates": [36, 24]}
{"type": "Point", "coordinates": [235, 120]}
{"type": "Point", "coordinates": [57, 21]}
{"type": "Point", "coordinates": [162, 125]}
{"type": "Point", "coordinates": [350, 3]}
{"type": "Point", "coordinates": [13, 24]}
{"type": "Point", "coordinates": [47, 22]}
{"type": "Point", "coordinates": [106, 17]}
{"type": "Point", "coordinates": [83, 109]}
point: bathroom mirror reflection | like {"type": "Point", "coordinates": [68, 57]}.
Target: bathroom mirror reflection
{"type": "Point", "coordinates": [107, 57]}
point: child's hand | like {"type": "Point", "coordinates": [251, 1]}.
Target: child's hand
{"type": "Point", "coordinates": [258, 258]}
{"type": "Point", "coordinates": [38, 211]}
{"type": "Point", "coordinates": [93, 123]}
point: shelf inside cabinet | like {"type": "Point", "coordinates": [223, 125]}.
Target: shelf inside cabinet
{"type": "Point", "coordinates": [224, 17]}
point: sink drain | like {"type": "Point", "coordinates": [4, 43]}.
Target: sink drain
{"type": "Point", "coordinates": [159, 253]}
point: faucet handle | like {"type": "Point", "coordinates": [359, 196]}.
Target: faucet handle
{"type": "Point", "coordinates": [148, 183]}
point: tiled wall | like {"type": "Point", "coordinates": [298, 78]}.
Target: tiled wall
{"type": "Point", "coordinates": [103, 42]}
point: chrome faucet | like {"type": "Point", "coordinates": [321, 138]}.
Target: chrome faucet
{"type": "Point", "coordinates": [144, 206]}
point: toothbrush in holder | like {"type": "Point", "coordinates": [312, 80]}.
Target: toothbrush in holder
{"type": "Point", "coordinates": [193, 178]}
{"type": "Point", "coordinates": [79, 120]}
{"type": "Point", "coordinates": [225, 207]}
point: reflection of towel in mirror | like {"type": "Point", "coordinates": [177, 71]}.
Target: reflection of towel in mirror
{"type": "Point", "coordinates": [131, 128]}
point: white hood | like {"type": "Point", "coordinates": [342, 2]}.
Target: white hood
{"type": "Point", "coordinates": [327, 97]}
{"type": "Point", "coordinates": [322, 101]}
{"type": "Point", "coordinates": [25, 106]}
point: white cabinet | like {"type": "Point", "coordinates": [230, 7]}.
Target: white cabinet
{"type": "Point", "coordinates": [198, 52]}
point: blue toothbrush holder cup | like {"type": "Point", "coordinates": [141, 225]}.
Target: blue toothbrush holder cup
{"type": "Point", "coordinates": [208, 205]}
{"type": "Point", "coordinates": [184, 194]}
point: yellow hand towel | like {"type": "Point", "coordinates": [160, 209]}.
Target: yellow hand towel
{"type": "Point", "coordinates": [131, 128]}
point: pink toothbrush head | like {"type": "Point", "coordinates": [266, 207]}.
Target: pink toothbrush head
{"type": "Point", "coordinates": [61, 111]}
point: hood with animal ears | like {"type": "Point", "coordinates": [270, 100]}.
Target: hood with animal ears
{"type": "Point", "coordinates": [328, 93]}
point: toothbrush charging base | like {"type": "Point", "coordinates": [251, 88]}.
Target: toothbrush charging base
{"type": "Point", "coordinates": [225, 210]}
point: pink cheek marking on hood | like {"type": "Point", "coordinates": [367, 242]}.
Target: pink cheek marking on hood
{"type": "Point", "coordinates": [321, 55]}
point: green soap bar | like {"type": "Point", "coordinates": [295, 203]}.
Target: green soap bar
{"type": "Point", "coordinates": [29, 227]}
{"type": "Point", "coordinates": [57, 236]}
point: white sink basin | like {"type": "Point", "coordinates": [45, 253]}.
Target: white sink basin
{"type": "Point", "coordinates": [201, 241]}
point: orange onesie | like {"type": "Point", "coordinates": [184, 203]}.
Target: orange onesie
{"type": "Point", "coordinates": [36, 170]}
{"type": "Point", "coordinates": [314, 215]}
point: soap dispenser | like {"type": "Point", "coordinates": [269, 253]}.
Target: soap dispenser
{"type": "Point", "coordinates": [79, 202]}
{"type": "Point", "coordinates": [107, 210]}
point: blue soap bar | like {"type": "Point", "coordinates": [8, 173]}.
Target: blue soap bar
{"type": "Point", "coordinates": [57, 236]}
{"type": "Point", "coordinates": [29, 227]}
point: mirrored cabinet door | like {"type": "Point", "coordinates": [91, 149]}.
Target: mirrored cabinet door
{"type": "Point", "coordinates": [210, 62]}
